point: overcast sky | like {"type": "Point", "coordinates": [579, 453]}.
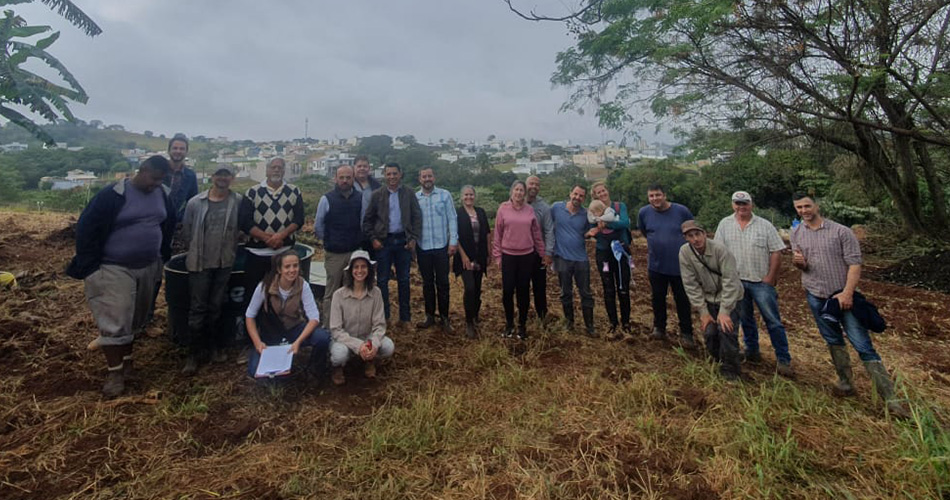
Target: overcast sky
{"type": "Point", "coordinates": [256, 70]}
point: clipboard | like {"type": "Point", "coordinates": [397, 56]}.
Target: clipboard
{"type": "Point", "coordinates": [276, 361]}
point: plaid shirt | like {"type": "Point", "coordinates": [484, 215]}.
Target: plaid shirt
{"type": "Point", "coordinates": [752, 246]}
{"type": "Point", "coordinates": [439, 219]}
{"type": "Point", "coordinates": [829, 251]}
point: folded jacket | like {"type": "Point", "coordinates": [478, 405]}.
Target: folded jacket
{"type": "Point", "coordinates": [862, 308]}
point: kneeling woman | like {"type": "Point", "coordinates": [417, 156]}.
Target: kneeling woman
{"type": "Point", "coordinates": [357, 321]}
{"type": "Point", "coordinates": [283, 310]}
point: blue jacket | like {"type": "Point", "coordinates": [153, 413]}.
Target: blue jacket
{"type": "Point", "coordinates": [862, 308]}
{"type": "Point", "coordinates": [96, 224]}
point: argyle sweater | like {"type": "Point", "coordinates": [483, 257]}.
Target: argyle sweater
{"type": "Point", "coordinates": [274, 212]}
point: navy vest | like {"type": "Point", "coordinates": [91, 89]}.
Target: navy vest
{"type": "Point", "coordinates": [343, 231]}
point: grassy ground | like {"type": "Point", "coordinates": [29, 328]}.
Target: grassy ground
{"type": "Point", "coordinates": [561, 416]}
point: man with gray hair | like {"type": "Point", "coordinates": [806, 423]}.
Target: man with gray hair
{"type": "Point", "coordinates": [757, 248]}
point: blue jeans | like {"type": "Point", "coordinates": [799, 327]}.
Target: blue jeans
{"type": "Point", "coordinates": [764, 296]}
{"type": "Point", "coordinates": [832, 332]}
{"type": "Point", "coordinates": [319, 339]}
{"type": "Point", "coordinates": [394, 251]}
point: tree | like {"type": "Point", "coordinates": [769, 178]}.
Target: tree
{"type": "Point", "coordinates": [868, 77]}
{"type": "Point", "coordinates": [23, 88]}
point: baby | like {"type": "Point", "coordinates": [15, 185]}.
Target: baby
{"type": "Point", "coordinates": [598, 212]}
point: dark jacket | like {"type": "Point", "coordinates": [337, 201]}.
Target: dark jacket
{"type": "Point", "coordinates": [186, 190]}
{"type": "Point", "coordinates": [96, 224]}
{"type": "Point", "coordinates": [475, 253]}
{"type": "Point", "coordinates": [376, 219]}
{"type": "Point", "coordinates": [866, 312]}
{"type": "Point", "coordinates": [341, 231]}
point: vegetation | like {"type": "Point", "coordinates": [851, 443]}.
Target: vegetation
{"type": "Point", "coordinates": [866, 77]}
{"type": "Point", "coordinates": [23, 88]}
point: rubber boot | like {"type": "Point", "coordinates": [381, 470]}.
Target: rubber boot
{"type": "Point", "coordinates": [127, 361]}
{"type": "Point", "coordinates": [568, 316]}
{"type": "Point", "coordinates": [842, 361]}
{"type": "Point", "coordinates": [885, 388]}
{"type": "Point", "coordinates": [115, 379]}
{"type": "Point", "coordinates": [589, 321]}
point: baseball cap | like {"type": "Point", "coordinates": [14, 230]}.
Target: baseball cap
{"type": "Point", "coordinates": [691, 225]}
{"type": "Point", "coordinates": [741, 196]}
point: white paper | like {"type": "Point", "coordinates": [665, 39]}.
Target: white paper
{"type": "Point", "coordinates": [275, 360]}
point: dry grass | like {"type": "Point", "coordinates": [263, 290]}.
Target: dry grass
{"type": "Point", "coordinates": [561, 417]}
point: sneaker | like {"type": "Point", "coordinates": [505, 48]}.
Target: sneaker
{"type": "Point", "coordinates": [658, 334]}
{"type": "Point", "coordinates": [522, 333]}
{"type": "Point", "coordinates": [785, 370]}
{"type": "Point", "coordinates": [429, 322]}
{"type": "Point", "coordinates": [615, 333]}
{"type": "Point", "coordinates": [509, 332]}
{"type": "Point", "coordinates": [338, 378]}
{"type": "Point", "coordinates": [370, 369]}
{"type": "Point", "coordinates": [753, 357]}
{"type": "Point", "coordinates": [447, 326]}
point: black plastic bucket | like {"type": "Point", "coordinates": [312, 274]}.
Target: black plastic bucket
{"type": "Point", "coordinates": [178, 297]}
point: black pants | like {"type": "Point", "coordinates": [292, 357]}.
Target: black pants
{"type": "Point", "coordinates": [516, 279]}
{"type": "Point", "coordinates": [434, 268]}
{"type": "Point", "coordinates": [472, 280]}
{"type": "Point", "coordinates": [659, 283]}
{"type": "Point", "coordinates": [539, 286]}
{"type": "Point", "coordinates": [723, 346]}
{"type": "Point", "coordinates": [616, 280]}
{"type": "Point", "coordinates": [208, 290]}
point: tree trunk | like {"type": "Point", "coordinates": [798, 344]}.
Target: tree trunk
{"type": "Point", "coordinates": [879, 165]}
{"type": "Point", "coordinates": [935, 189]}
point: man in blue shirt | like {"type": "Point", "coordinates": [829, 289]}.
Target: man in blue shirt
{"type": "Point", "coordinates": [439, 242]}
{"type": "Point", "coordinates": [660, 223]}
{"type": "Point", "coordinates": [570, 256]}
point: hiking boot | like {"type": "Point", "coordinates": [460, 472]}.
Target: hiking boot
{"type": "Point", "coordinates": [842, 361]}
{"type": "Point", "coordinates": [752, 357]}
{"type": "Point", "coordinates": [615, 333]}
{"type": "Point", "coordinates": [658, 334]}
{"type": "Point", "coordinates": [429, 322]}
{"type": "Point", "coordinates": [589, 321]}
{"type": "Point", "coordinates": [370, 369]}
{"type": "Point", "coordinates": [470, 331]}
{"type": "Point", "coordinates": [127, 371]}
{"type": "Point", "coordinates": [218, 356]}
{"type": "Point", "coordinates": [115, 383]}
{"type": "Point", "coordinates": [785, 370]}
{"type": "Point", "coordinates": [522, 333]}
{"type": "Point", "coordinates": [885, 388]}
{"type": "Point", "coordinates": [731, 376]}
{"type": "Point", "coordinates": [687, 342]}
{"type": "Point", "coordinates": [338, 378]}
{"type": "Point", "coordinates": [191, 366]}
{"type": "Point", "coordinates": [447, 327]}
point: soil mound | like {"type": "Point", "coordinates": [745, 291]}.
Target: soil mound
{"type": "Point", "coordinates": [930, 271]}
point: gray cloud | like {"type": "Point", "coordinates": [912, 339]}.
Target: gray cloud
{"type": "Point", "coordinates": [251, 69]}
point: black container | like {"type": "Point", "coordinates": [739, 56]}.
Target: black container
{"type": "Point", "coordinates": [178, 297]}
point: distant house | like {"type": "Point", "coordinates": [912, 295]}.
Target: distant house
{"type": "Point", "coordinates": [328, 164]}
{"type": "Point", "coordinates": [81, 176]}
{"type": "Point", "coordinates": [14, 147]}
{"type": "Point", "coordinates": [526, 166]}
{"type": "Point", "coordinates": [449, 157]}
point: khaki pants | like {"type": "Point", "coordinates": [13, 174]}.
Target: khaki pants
{"type": "Point", "coordinates": [120, 299]}
{"type": "Point", "coordinates": [334, 264]}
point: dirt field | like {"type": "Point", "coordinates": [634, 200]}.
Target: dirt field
{"type": "Point", "coordinates": [561, 416]}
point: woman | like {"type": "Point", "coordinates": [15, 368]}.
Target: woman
{"type": "Point", "coordinates": [517, 246]}
{"type": "Point", "coordinates": [614, 272]}
{"type": "Point", "coordinates": [357, 319]}
{"type": "Point", "coordinates": [281, 310]}
{"type": "Point", "coordinates": [472, 256]}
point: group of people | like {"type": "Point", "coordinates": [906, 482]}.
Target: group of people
{"type": "Point", "coordinates": [369, 228]}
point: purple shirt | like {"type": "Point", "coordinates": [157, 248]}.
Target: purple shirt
{"type": "Point", "coordinates": [136, 237]}
{"type": "Point", "coordinates": [664, 236]}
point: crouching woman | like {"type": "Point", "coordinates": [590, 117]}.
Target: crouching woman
{"type": "Point", "coordinates": [357, 320]}
{"type": "Point", "coordinates": [282, 310]}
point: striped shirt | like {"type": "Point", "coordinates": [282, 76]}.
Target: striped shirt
{"type": "Point", "coordinates": [828, 250]}
{"type": "Point", "coordinates": [439, 219]}
{"type": "Point", "coordinates": [752, 246]}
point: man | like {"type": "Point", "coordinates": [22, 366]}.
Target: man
{"type": "Point", "coordinates": [539, 277]}
{"type": "Point", "coordinates": [364, 183]}
{"type": "Point", "coordinates": [757, 248]}
{"type": "Point", "coordinates": [393, 224]}
{"type": "Point", "coordinates": [339, 223]}
{"type": "Point", "coordinates": [213, 221]}
{"type": "Point", "coordinates": [829, 256]}
{"type": "Point", "coordinates": [660, 223]}
{"type": "Point", "coordinates": [122, 238]}
{"type": "Point", "coordinates": [570, 256]}
{"type": "Point", "coordinates": [439, 241]}
{"type": "Point", "coordinates": [712, 283]}
{"type": "Point", "coordinates": [182, 180]}
{"type": "Point", "coordinates": [277, 215]}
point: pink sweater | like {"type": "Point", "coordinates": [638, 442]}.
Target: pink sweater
{"type": "Point", "coordinates": [517, 231]}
